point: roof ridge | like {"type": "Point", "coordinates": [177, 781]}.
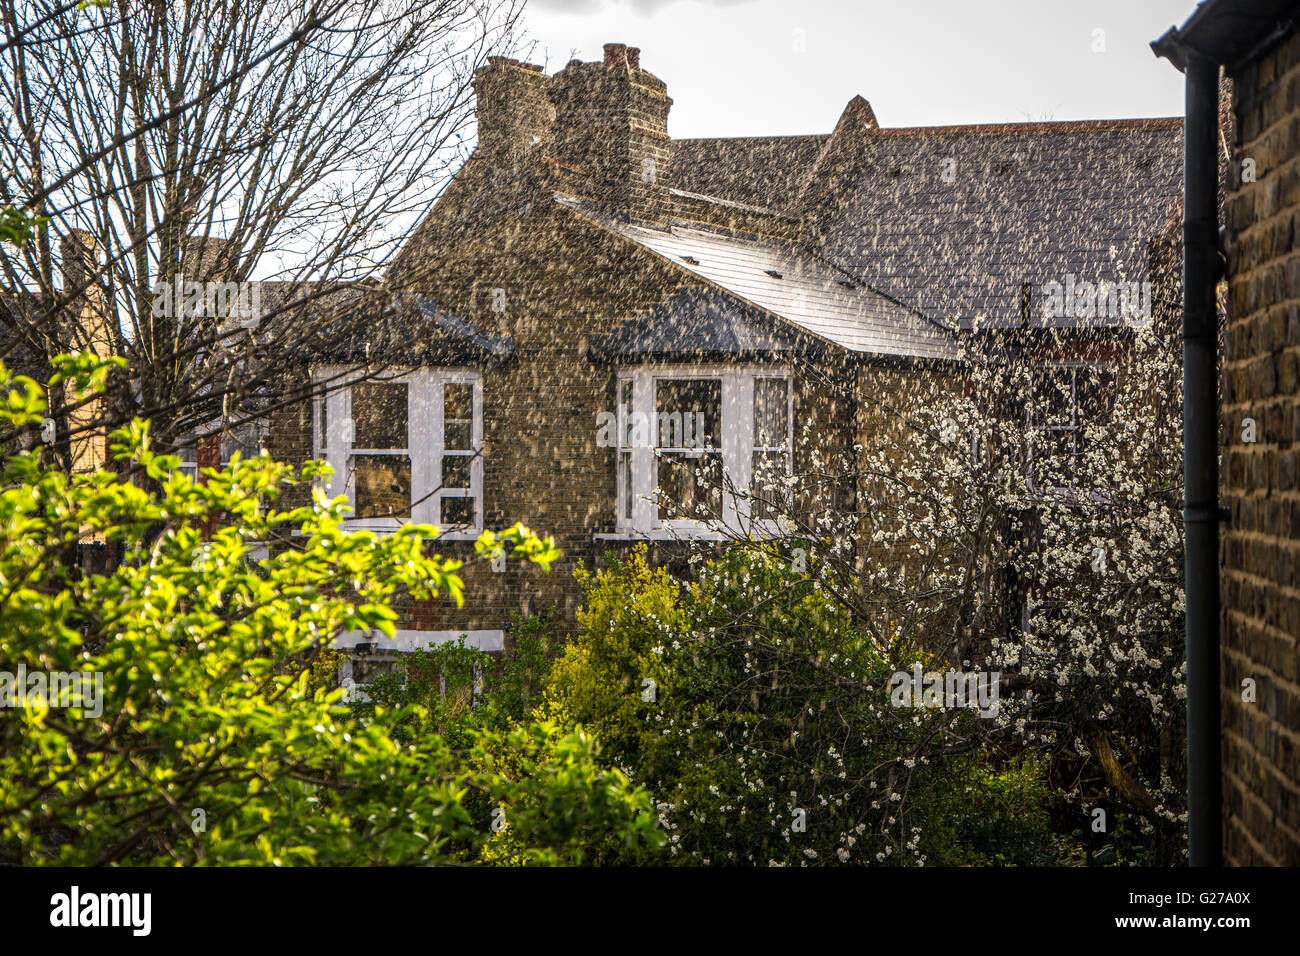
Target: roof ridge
{"type": "Point", "coordinates": [1046, 126]}
{"type": "Point", "coordinates": [718, 139]}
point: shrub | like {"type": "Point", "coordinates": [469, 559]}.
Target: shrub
{"type": "Point", "coordinates": [770, 738]}
{"type": "Point", "coordinates": [213, 741]}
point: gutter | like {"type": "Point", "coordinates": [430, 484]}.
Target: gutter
{"type": "Point", "coordinates": [1201, 511]}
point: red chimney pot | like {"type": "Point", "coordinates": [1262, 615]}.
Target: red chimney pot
{"type": "Point", "coordinates": [622, 57]}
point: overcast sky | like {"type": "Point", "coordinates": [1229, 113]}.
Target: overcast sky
{"type": "Point", "coordinates": [773, 67]}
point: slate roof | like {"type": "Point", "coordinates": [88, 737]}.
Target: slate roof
{"type": "Point", "coordinates": [413, 330]}
{"type": "Point", "coordinates": [1028, 203]}
{"type": "Point", "coordinates": [702, 323]}
{"type": "Point", "coordinates": [763, 171]}
{"type": "Point", "coordinates": [15, 353]}
{"type": "Point", "coordinates": [787, 280]}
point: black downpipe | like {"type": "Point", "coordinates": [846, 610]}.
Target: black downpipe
{"type": "Point", "coordinates": [1201, 461]}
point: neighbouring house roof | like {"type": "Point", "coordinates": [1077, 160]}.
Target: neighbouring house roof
{"type": "Point", "coordinates": [881, 241]}
{"type": "Point", "coordinates": [763, 171]}
{"type": "Point", "coordinates": [786, 280]}
{"type": "Point", "coordinates": [703, 323]}
{"type": "Point", "coordinates": [411, 330]}
{"type": "Point", "coordinates": [16, 353]}
{"type": "Point", "coordinates": [1030, 202]}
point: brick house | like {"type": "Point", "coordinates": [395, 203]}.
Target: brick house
{"type": "Point", "coordinates": [1247, 697]}
{"type": "Point", "coordinates": [583, 263]}
{"type": "Point", "coordinates": [44, 322]}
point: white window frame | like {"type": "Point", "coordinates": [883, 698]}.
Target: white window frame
{"type": "Point", "coordinates": [189, 456]}
{"type": "Point", "coordinates": [1077, 421]}
{"type": "Point", "coordinates": [737, 431]}
{"type": "Point", "coordinates": [424, 443]}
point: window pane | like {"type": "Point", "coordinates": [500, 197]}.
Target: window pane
{"type": "Point", "coordinates": [324, 423]}
{"type": "Point", "coordinates": [457, 511]}
{"type": "Point", "coordinates": [1051, 399]}
{"type": "Point", "coordinates": [246, 439]}
{"type": "Point", "coordinates": [691, 485]}
{"type": "Point", "coordinates": [379, 415]}
{"type": "Point", "coordinates": [771, 412]}
{"type": "Point", "coordinates": [625, 480]}
{"type": "Point", "coordinates": [457, 436]}
{"type": "Point", "coordinates": [383, 486]}
{"type": "Point", "coordinates": [689, 413]}
{"type": "Point", "coordinates": [367, 667]}
{"type": "Point", "coordinates": [770, 467]}
{"type": "Point", "coordinates": [458, 416]}
{"type": "Point", "coordinates": [623, 414]}
{"type": "Point", "coordinates": [456, 471]}
{"type": "Point", "coordinates": [1053, 457]}
{"type": "Point", "coordinates": [1094, 389]}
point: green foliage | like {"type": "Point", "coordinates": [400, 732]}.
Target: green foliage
{"type": "Point", "coordinates": [216, 738]}
{"type": "Point", "coordinates": [598, 682]}
{"type": "Point", "coordinates": [770, 738]}
{"type": "Point", "coordinates": [517, 687]}
{"type": "Point", "coordinates": [998, 817]}
{"type": "Point", "coordinates": [19, 226]}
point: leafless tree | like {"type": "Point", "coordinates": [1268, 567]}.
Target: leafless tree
{"type": "Point", "coordinates": [290, 144]}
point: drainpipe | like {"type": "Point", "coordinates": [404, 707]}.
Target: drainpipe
{"type": "Point", "coordinates": [1201, 513]}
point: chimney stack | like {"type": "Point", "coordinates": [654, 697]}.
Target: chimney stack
{"type": "Point", "coordinates": [611, 126]}
{"type": "Point", "coordinates": [79, 255]}
{"type": "Point", "coordinates": [513, 111]}
{"type": "Point", "coordinates": [208, 259]}
{"type": "Point", "coordinates": [84, 321]}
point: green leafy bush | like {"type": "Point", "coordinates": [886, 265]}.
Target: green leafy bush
{"type": "Point", "coordinates": [216, 738]}
{"type": "Point", "coordinates": [759, 717]}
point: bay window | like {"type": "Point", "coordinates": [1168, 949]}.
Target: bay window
{"type": "Point", "coordinates": [405, 446]}
{"type": "Point", "coordinates": [702, 449]}
{"type": "Point", "coordinates": [687, 437]}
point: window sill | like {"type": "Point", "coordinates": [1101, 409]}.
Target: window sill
{"type": "Point", "coordinates": [468, 536]}
{"type": "Point", "coordinates": [661, 534]}
{"type": "Point", "coordinates": [669, 534]}
{"type": "Point", "coordinates": [411, 640]}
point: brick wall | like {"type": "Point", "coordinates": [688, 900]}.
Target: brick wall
{"type": "Point", "coordinates": [893, 416]}
{"type": "Point", "coordinates": [1261, 543]}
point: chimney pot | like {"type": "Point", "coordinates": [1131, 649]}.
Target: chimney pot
{"type": "Point", "coordinates": [618, 56]}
